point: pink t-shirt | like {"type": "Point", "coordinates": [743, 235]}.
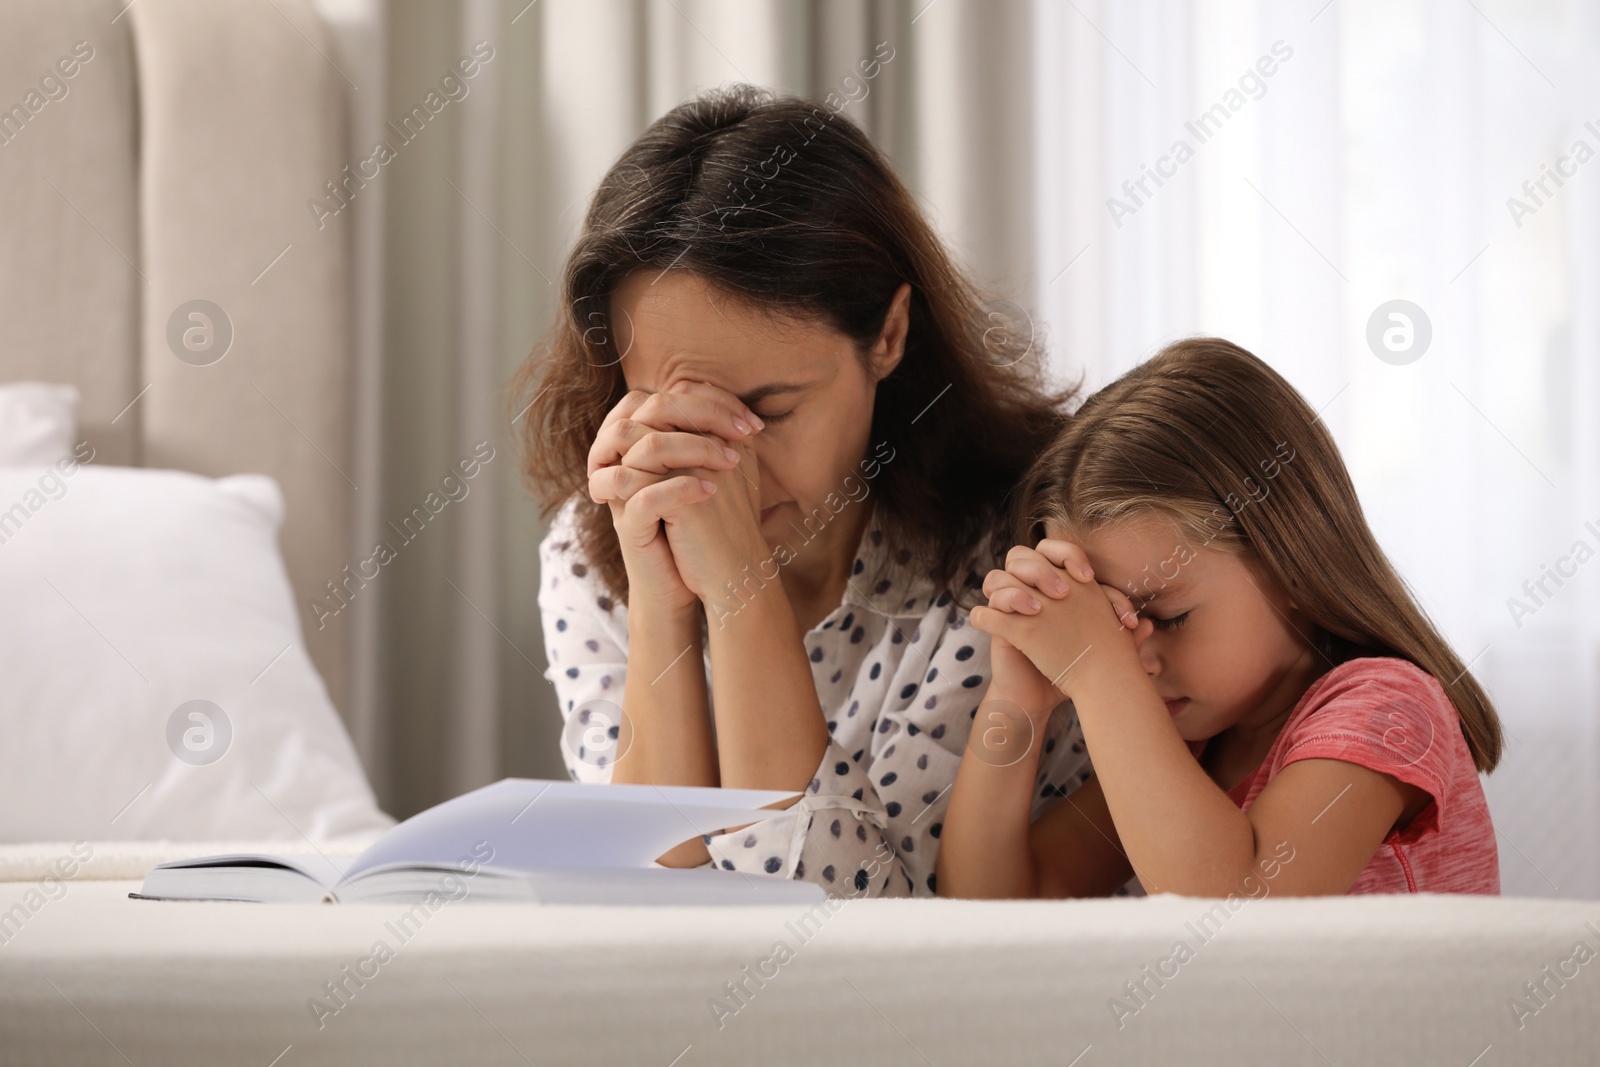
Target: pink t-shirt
{"type": "Point", "coordinates": [1390, 715]}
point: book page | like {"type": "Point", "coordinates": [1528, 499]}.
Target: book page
{"type": "Point", "coordinates": [523, 823]}
{"type": "Point", "coordinates": [326, 871]}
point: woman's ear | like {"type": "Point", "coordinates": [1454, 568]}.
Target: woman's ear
{"type": "Point", "coordinates": [891, 344]}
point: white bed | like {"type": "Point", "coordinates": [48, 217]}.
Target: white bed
{"type": "Point", "coordinates": [160, 140]}
{"type": "Point", "coordinates": [95, 977]}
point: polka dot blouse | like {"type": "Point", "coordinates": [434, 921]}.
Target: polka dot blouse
{"type": "Point", "coordinates": [899, 674]}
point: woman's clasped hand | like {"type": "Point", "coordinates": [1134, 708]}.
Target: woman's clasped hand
{"type": "Point", "coordinates": [683, 483]}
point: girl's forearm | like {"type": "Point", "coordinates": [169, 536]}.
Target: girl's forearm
{"type": "Point", "coordinates": [984, 849]}
{"type": "Point", "coordinates": [1180, 831]}
{"type": "Point", "coordinates": [770, 728]}
{"type": "Point", "coordinates": [665, 736]}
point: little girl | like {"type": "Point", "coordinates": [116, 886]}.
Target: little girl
{"type": "Point", "coordinates": [1266, 707]}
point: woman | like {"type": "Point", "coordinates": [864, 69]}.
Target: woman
{"type": "Point", "coordinates": [779, 432]}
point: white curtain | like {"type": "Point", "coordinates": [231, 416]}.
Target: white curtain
{"type": "Point", "coordinates": [1376, 161]}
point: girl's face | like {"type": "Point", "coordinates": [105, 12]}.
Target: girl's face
{"type": "Point", "coordinates": [1221, 641]}
{"type": "Point", "coordinates": [804, 380]}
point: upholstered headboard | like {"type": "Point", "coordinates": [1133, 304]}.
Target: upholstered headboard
{"type": "Point", "coordinates": [161, 153]}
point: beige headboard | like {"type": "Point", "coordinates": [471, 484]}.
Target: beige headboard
{"type": "Point", "coordinates": [173, 165]}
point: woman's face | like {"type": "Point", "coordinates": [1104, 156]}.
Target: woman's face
{"type": "Point", "coordinates": [804, 379]}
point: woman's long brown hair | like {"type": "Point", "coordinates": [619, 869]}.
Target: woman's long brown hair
{"type": "Point", "coordinates": [790, 208]}
{"type": "Point", "coordinates": [1211, 436]}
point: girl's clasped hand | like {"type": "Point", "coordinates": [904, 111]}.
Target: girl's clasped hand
{"type": "Point", "coordinates": [1046, 618]}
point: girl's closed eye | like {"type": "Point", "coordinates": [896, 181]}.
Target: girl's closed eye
{"type": "Point", "coordinates": [1169, 624]}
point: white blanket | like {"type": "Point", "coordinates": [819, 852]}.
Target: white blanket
{"type": "Point", "coordinates": [91, 976]}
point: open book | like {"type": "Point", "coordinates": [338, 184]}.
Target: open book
{"type": "Point", "coordinates": [520, 839]}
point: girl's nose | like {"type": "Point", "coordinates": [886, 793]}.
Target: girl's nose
{"type": "Point", "coordinates": [1147, 648]}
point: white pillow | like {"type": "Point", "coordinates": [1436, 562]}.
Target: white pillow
{"type": "Point", "coordinates": [38, 421]}
{"type": "Point", "coordinates": [128, 594]}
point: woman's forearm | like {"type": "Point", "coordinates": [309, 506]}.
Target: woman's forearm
{"type": "Point", "coordinates": [770, 728]}
{"type": "Point", "coordinates": [984, 850]}
{"type": "Point", "coordinates": [665, 733]}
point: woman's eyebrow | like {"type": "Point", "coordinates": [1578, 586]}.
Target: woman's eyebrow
{"type": "Point", "coordinates": [764, 391]}
{"type": "Point", "coordinates": [758, 393]}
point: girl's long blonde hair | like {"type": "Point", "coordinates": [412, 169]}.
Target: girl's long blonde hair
{"type": "Point", "coordinates": [1210, 435]}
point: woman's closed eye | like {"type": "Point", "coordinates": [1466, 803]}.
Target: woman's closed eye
{"type": "Point", "coordinates": [775, 418]}
{"type": "Point", "coordinates": [1168, 624]}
